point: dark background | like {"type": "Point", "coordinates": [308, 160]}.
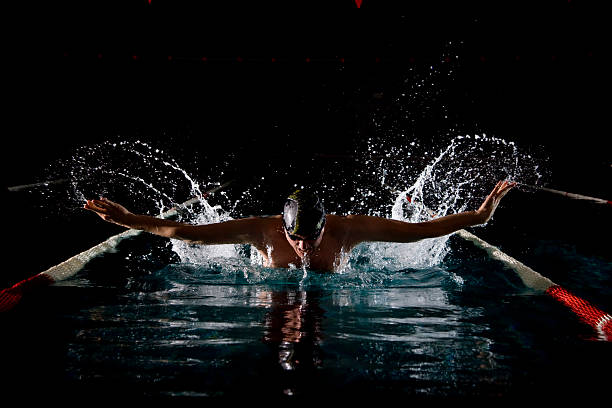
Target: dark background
{"type": "Point", "coordinates": [85, 72]}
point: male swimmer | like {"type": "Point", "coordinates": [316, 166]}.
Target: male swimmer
{"type": "Point", "coordinates": [304, 235]}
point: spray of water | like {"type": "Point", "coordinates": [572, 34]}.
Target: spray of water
{"type": "Point", "coordinates": [135, 172]}
{"type": "Point", "coordinates": [454, 178]}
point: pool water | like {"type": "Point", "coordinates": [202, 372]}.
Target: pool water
{"type": "Point", "coordinates": [158, 319]}
{"type": "Point", "coordinates": [141, 323]}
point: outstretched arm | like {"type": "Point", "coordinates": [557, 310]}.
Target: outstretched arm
{"type": "Point", "coordinates": [366, 228]}
{"type": "Point", "coordinates": [241, 231]}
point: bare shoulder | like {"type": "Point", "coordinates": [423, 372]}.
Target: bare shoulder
{"type": "Point", "coordinates": [263, 223]}
{"type": "Point", "coordinates": [335, 220]}
{"type": "Point", "coordinates": [269, 219]}
{"type": "Point", "coordinates": [268, 224]}
{"type": "Point", "coordinates": [255, 227]}
{"type": "Point", "coordinates": [344, 229]}
{"type": "Point", "coordinates": [345, 220]}
{"type": "Point", "coordinates": [255, 230]}
{"type": "Point", "coordinates": [348, 220]}
{"type": "Point", "coordinates": [359, 228]}
{"type": "Point", "coordinates": [339, 225]}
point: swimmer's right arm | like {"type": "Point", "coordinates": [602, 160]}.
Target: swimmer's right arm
{"type": "Point", "coordinates": [241, 231]}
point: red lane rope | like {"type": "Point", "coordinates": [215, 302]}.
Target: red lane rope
{"type": "Point", "coordinates": [589, 314]}
{"type": "Point", "coordinates": [10, 297]}
{"type": "Point", "coordinates": [599, 320]}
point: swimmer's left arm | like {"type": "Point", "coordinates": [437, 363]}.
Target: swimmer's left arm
{"type": "Point", "coordinates": [367, 228]}
{"type": "Point", "coordinates": [240, 231]}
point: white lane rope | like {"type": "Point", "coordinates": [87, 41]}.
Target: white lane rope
{"type": "Point", "coordinates": [10, 297]}
{"type": "Point", "coordinates": [599, 320]}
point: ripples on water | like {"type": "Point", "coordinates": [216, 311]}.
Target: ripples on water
{"type": "Point", "coordinates": [229, 323]}
{"type": "Point", "coordinates": [429, 318]}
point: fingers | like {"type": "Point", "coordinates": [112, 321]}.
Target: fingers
{"type": "Point", "coordinates": [102, 205]}
{"type": "Point", "coordinates": [506, 186]}
{"type": "Point", "coordinates": [502, 188]}
{"type": "Point", "coordinates": [89, 205]}
{"type": "Point", "coordinates": [495, 192]}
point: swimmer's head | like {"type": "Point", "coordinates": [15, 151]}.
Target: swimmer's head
{"type": "Point", "coordinates": [303, 215]}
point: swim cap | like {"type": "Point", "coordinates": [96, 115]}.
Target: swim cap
{"type": "Point", "coordinates": [304, 214]}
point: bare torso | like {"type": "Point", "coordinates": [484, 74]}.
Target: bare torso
{"type": "Point", "coordinates": [328, 256]}
{"type": "Point", "coordinates": [327, 252]}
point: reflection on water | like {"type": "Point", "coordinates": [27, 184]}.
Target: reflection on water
{"type": "Point", "coordinates": [226, 327]}
{"type": "Point", "coordinates": [402, 319]}
{"type": "Point", "coordinates": [293, 329]}
{"type": "Point", "coordinates": [185, 330]}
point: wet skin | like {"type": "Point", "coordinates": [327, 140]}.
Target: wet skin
{"type": "Point", "coordinates": [279, 250]}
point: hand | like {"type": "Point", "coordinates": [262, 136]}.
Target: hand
{"type": "Point", "coordinates": [486, 210]}
{"type": "Point", "coordinates": [108, 210]}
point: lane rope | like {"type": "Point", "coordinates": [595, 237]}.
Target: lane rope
{"type": "Point", "coordinates": [33, 185]}
{"type": "Point", "coordinates": [10, 297]}
{"type": "Point", "coordinates": [569, 195]}
{"type": "Point", "coordinates": [599, 320]}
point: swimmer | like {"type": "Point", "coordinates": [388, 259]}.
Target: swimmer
{"type": "Point", "coordinates": [304, 234]}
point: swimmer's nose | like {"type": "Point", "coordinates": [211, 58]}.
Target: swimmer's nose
{"type": "Point", "coordinates": [303, 245]}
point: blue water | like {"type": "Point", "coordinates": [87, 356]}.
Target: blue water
{"type": "Point", "coordinates": [141, 323]}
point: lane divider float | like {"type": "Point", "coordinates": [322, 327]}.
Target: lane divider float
{"type": "Point", "coordinates": [599, 320]}
{"type": "Point", "coordinates": [569, 195]}
{"type": "Point", "coordinates": [10, 297]}
{"type": "Point", "coordinates": [33, 185]}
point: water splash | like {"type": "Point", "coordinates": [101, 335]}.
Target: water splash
{"type": "Point", "coordinates": [452, 179]}
{"type": "Point", "coordinates": [145, 177]}
{"type": "Point", "coordinates": [456, 178]}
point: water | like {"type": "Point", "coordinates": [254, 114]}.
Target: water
{"type": "Point", "coordinates": [187, 317]}
{"type": "Point", "coordinates": [437, 319]}
{"type": "Point", "coordinates": [464, 328]}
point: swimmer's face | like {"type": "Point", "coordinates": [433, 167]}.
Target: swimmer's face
{"type": "Point", "coordinates": [304, 246]}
